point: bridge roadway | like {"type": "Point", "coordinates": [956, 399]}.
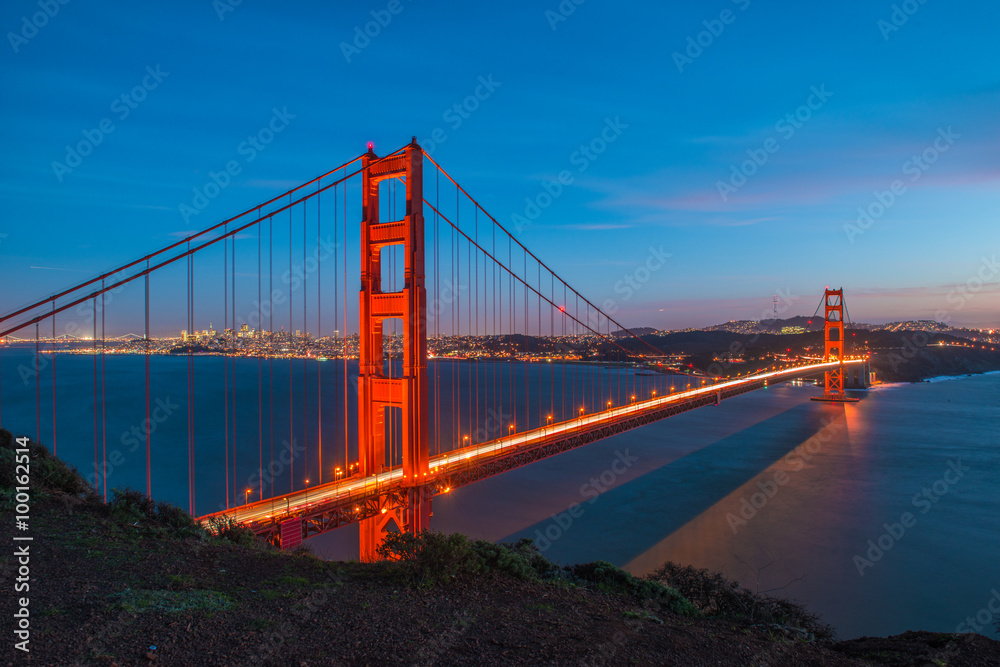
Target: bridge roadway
{"type": "Point", "coordinates": [334, 504]}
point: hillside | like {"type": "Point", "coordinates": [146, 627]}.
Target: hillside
{"type": "Point", "coordinates": [897, 356]}
{"type": "Point", "coordinates": [136, 583]}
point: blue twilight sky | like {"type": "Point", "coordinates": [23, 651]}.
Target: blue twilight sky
{"type": "Point", "coordinates": [837, 101]}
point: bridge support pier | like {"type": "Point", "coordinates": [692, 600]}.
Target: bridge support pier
{"type": "Point", "coordinates": [382, 398]}
{"type": "Point", "coordinates": [413, 517]}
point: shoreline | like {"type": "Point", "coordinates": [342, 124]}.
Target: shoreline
{"type": "Point", "coordinates": [930, 380]}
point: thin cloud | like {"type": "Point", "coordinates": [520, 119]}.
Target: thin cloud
{"type": "Point", "coordinates": [57, 268]}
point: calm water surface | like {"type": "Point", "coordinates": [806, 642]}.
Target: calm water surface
{"type": "Point", "coordinates": [882, 515]}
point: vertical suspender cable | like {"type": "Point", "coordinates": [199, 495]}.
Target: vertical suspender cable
{"type": "Point", "coordinates": [305, 341]}
{"type": "Point", "coordinates": [38, 390]}
{"type": "Point", "coordinates": [258, 340]}
{"type": "Point", "coordinates": [97, 472]}
{"type": "Point", "coordinates": [336, 330]}
{"type": "Point", "coordinates": [347, 457]}
{"type": "Point", "coordinates": [527, 333]}
{"type": "Point", "coordinates": [104, 403]}
{"type": "Point", "coordinates": [1, 393]}
{"type": "Point", "coordinates": [437, 315]}
{"type": "Point", "coordinates": [55, 448]}
{"type": "Point", "coordinates": [190, 381]}
{"type": "Point", "coordinates": [475, 358]}
{"type": "Point", "coordinates": [270, 342]}
{"type": "Point", "coordinates": [291, 351]}
{"type": "Point", "coordinates": [225, 359]}
{"type": "Point", "coordinates": [148, 429]}
{"type": "Point", "coordinates": [319, 334]}
{"type": "Point", "coordinates": [232, 362]}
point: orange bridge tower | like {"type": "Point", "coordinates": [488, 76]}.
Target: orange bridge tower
{"type": "Point", "coordinates": [834, 342]}
{"type": "Point", "coordinates": [383, 399]}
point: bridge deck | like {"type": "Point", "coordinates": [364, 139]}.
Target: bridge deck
{"type": "Point", "coordinates": [344, 501]}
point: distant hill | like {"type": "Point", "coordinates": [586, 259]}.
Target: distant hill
{"type": "Point", "coordinates": [638, 331]}
{"type": "Point", "coordinates": [768, 326]}
{"type": "Point", "coordinates": [816, 324]}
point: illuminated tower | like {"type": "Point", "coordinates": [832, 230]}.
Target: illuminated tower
{"type": "Point", "coordinates": [833, 337]}
{"type": "Point", "coordinates": [381, 397]}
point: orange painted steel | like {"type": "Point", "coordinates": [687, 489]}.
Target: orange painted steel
{"type": "Point", "coordinates": [379, 395]}
{"type": "Point", "coordinates": [833, 350]}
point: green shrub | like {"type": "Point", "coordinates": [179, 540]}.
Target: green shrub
{"type": "Point", "coordinates": [228, 529]}
{"type": "Point", "coordinates": [53, 474]}
{"type": "Point", "coordinates": [429, 558]}
{"type": "Point", "coordinates": [128, 506]}
{"type": "Point", "coordinates": [8, 469]}
{"type": "Point", "coordinates": [714, 595]}
{"type": "Point", "coordinates": [521, 560]}
{"type": "Point", "coordinates": [47, 472]}
{"type": "Point", "coordinates": [131, 508]}
{"type": "Point", "coordinates": [175, 519]}
{"type": "Point", "coordinates": [607, 578]}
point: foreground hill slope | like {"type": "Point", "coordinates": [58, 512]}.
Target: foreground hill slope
{"type": "Point", "coordinates": [136, 583]}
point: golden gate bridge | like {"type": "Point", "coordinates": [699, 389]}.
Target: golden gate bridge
{"type": "Point", "coordinates": [440, 279]}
